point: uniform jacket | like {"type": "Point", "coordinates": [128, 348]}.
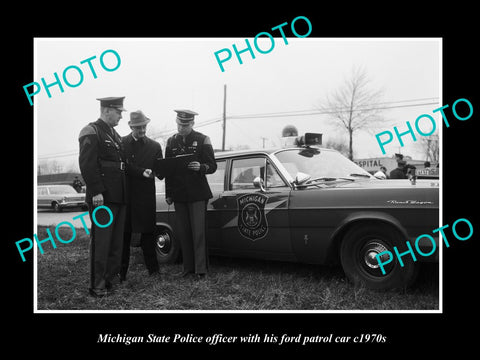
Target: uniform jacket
{"type": "Point", "coordinates": [190, 185]}
{"type": "Point", "coordinates": [100, 159]}
{"type": "Point", "coordinates": [140, 155]}
{"type": "Point", "coordinates": [397, 174]}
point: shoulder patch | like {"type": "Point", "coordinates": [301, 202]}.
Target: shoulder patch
{"type": "Point", "coordinates": [207, 141]}
{"type": "Point", "coordinates": [87, 130]}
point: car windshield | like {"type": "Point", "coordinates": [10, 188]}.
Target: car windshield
{"type": "Point", "coordinates": [62, 189]}
{"type": "Point", "coordinates": [319, 163]}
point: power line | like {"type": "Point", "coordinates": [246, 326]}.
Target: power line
{"type": "Point", "coordinates": [344, 109]}
{"type": "Point", "coordinates": [323, 112]}
{"type": "Point", "coordinates": [57, 155]}
{"type": "Point", "coordinates": [307, 112]}
{"type": "Point", "coordinates": [154, 136]}
{"type": "Point", "coordinates": [172, 131]}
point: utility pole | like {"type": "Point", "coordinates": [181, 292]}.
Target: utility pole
{"type": "Point", "coordinates": [428, 149]}
{"type": "Point", "coordinates": [224, 115]}
{"type": "Point", "coordinates": [263, 140]}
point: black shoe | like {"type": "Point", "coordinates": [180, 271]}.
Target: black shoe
{"type": "Point", "coordinates": [200, 276]}
{"type": "Point", "coordinates": [183, 274]}
{"type": "Point", "coordinates": [98, 293]}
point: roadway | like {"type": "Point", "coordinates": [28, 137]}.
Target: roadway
{"type": "Point", "coordinates": [49, 217]}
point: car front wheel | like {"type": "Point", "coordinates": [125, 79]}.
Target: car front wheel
{"type": "Point", "coordinates": [167, 247]}
{"type": "Point", "coordinates": [358, 254]}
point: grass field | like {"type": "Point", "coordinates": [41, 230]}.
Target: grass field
{"type": "Point", "coordinates": [233, 284]}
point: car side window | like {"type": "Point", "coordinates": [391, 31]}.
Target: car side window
{"type": "Point", "coordinates": [273, 177]}
{"type": "Point", "coordinates": [244, 171]}
{"type": "Point", "coordinates": [216, 179]}
{"type": "Point", "coordinates": [42, 191]}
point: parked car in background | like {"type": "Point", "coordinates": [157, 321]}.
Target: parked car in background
{"type": "Point", "coordinates": [59, 197]}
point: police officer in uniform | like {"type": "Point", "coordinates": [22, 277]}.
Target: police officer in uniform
{"type": "Point", "coordinates": [77, 184]}
{"type": "Point", "coordinates": [189, 191]}
{"type": "Point", "coordinates": [399, 172]}
{"type": "Point", "coordinates": [102, 165]}
{"type": "Point", "coordinates": [141, 153]}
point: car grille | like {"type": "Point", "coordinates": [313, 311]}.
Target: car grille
{"type": "Point", "coordinates": [77, 198]}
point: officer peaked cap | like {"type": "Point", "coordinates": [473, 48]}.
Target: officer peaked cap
{"type": "Point", "coordinates": [185, 116]}
{"type": "Point", "coordinates": [112, 102]}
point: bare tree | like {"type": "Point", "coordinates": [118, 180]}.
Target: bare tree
{"type": "Point", "coordinates": [71, 166]}
{"type": "Point", "coordinates": [355, 105]}
{"type": "Point", "coordinates": [431, 147]}
{"type": "Point", "coordinates": [338, 145]}
{"type": "Point", "coordinates": [160, 134]}
{"type": "Point", "coordinates": [239, 147]}
{"type": "Point", "coordinates": [49, 167]}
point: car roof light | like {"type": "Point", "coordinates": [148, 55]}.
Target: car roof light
{"type": "Point", "coordinates": [309, 139]}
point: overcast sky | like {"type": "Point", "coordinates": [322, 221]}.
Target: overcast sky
{"type": "Point", "coordinates": [160, 75]}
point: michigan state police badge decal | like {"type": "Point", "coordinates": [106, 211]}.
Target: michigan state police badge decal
{"type": "Point", "coordinates": [252, 222]}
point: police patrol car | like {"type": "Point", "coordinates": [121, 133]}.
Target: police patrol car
{"type": "Point", "coordinates": [308, 204]}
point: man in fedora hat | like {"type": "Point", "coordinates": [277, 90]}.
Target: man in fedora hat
{"type": "Point", "coordinates": [188, 189]}
{"type": "Point", "coordinates": [102, 165]}
{"type": "Point", "coordinates": [141, 153]}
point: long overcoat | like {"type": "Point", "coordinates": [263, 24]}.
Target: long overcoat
{"type": "Point", "coordinates": [140, 154]}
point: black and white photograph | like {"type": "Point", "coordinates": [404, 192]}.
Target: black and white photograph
{"type": "Point", "coordinates": [290, 170]}
{"type": "Point", "coordinates": [180, 183]}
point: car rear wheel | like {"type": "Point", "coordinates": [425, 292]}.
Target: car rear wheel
{"type": "Point", "coordinates": [167, 247]}
{"type": "Point", "coordinates": [358, 254]}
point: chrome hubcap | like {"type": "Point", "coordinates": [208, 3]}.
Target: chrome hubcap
{"type": "Point", "coordinates": [371, 252]}
{"type": "Point", "coordinates": [163, 243]}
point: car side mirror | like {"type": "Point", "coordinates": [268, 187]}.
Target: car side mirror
{"type": "Point", "coordinates": [258, 183]}
{"type": "Point", "coordinates": [301, 178]}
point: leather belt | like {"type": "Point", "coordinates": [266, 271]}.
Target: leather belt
{"type": "Point", "coordinates": [115, 164]}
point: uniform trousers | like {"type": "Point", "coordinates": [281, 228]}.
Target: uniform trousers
{"type": "Point", "coordinates": [191, 231]}
{"type": "Point", "coordinates": [147, 243]}
{"type": "Point", "coordinates": [106, 245]}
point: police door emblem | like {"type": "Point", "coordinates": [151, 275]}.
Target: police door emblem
{"type": "Point", "coordinates": [252, 222]}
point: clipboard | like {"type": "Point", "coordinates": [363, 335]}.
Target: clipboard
{"type": "Point", "coordinates": [173, 165]}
